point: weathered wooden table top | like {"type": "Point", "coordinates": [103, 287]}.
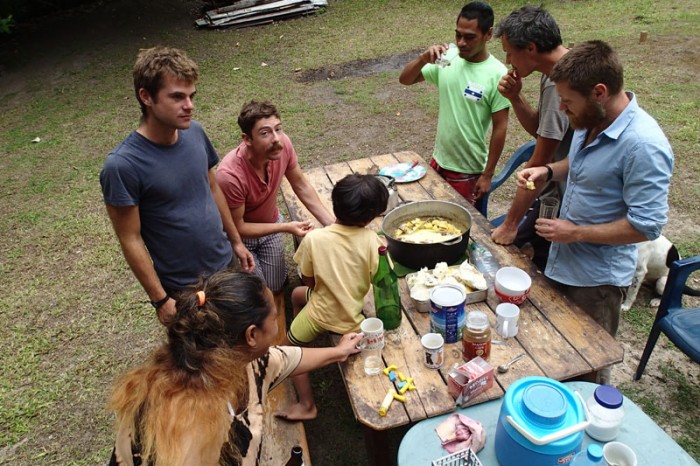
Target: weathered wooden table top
{"type": "Point", "coordinates": [560, 340]}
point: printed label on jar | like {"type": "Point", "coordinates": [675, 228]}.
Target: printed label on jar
{"type": "Point", "coordinates": [471, 350]}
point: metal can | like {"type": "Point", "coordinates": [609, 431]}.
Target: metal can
{"type": "Point", "coordinates": [447, 311]}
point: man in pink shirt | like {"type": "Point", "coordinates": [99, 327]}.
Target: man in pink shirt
{"type": "Point", "coordinates": [250, 176]}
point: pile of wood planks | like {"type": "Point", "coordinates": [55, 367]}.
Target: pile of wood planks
{"type": "Point", "coordinates": [245, 13]}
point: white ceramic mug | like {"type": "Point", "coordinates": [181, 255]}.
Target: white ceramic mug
{"type": "Point", "coordinates": [619, 454]}
{"type": "Point", "coordinates": [507, 316]}
{"type": "Point", "coordinates": [433, 349]}
{"type": "Point", "coordinates": [373, 329]}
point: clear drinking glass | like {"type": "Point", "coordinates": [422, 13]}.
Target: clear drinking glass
{"type": "Point", "coordinates": [371, 345]}
{"type": "Point", "coordinates": [442, 60]}
{"type": "Point", "coordinates": [549, 207]}
{"type": "Point", "coordinates": [372, 360]}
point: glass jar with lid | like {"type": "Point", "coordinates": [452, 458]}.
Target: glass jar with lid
{"type": "Point", "coordinates": [476, 336]}
{"type": "Point", "coordinates": [605, 408]}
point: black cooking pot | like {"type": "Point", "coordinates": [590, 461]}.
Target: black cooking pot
{"type": "Point", "coordinates": [417, 256]}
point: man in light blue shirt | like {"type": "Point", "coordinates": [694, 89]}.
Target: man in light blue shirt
{"type": "Point", "coordinates": [619, 170]}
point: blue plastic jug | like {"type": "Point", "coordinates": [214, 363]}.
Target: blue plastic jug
{"type": "Point", "coordinates": [541, 423]}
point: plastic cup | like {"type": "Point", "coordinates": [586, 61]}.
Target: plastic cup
{"type": "Point", "coordinates": [442, 60]}
{"type": "Point", "coordinates": [549, 207]}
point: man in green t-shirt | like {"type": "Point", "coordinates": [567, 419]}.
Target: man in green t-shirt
{"type": "Point", "coordinates": [469, 103]}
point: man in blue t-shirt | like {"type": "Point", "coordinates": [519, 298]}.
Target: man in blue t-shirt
{"type": "Point", "coordinates": [160, 189]}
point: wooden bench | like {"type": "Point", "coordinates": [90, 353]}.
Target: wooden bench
{"type": "Point", "coordinates": [280, 436]}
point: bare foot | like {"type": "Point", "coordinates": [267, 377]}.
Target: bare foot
{"type": "Point", "coordinates": [297, 412]}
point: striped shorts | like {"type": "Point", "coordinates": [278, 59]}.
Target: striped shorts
{"type": "Point", "coordinates": [268, 252]}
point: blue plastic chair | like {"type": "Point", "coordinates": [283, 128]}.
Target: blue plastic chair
{"type": "Point", "coordinates": [681, 325]}
{"type": "Point", "coordinates": [519, 157]}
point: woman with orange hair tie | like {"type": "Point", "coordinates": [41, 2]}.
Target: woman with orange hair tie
{"type": "Point", "coordinates": [199, 399]}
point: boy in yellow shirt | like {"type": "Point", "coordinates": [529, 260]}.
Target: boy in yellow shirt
{"type": "Point", "coordinates": [337, 264]}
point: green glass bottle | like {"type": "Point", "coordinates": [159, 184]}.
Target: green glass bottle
{"type": "Point", "coordinates": [386, 292]}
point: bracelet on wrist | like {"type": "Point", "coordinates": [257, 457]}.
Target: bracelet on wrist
{"type": "Point", "coordinates": [157, 304]}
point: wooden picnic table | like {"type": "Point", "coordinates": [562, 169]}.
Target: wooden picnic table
{"type": "Point", "coordinates": [561, 341]}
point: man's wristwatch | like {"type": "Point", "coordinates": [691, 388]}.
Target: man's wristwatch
{"type": "Point", "coordinates": [157, 304]}
{"type": "Point", "coordinates": [550, 172]}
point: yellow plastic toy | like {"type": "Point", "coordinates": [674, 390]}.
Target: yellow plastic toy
{"type": "Point", "coordinates": [386, 403]}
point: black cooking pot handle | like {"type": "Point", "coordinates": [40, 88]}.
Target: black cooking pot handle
{"type": "Point", "coordinates": [452, 241]}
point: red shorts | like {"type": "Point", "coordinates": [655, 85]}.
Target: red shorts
{"type": "Point", "coordinates": [463, 183]}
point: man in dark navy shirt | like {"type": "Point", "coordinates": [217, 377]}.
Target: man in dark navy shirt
{"type": "Point", "coordinates": [160, 189]}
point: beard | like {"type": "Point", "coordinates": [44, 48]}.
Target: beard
{"type": "Point", "coordinates": [592, 114]}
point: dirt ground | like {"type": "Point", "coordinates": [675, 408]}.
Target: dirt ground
{"type": "Point", "coordinates": [335, 437]}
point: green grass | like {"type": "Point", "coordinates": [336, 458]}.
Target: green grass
{"type": "Point", "coordinates": [72, 317]}
{"type": "Point", "coordinates": [641, 319]}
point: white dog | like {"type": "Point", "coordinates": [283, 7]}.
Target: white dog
{"type": "Point", "coordinates": [653, 260]}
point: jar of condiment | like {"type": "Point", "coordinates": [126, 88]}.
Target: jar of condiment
{"type": "Point", "coordinates": [605, 408]}
{"type": "Point", "coordinates": [476, 336]}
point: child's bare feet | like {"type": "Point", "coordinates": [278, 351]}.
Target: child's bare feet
{"type": "Point", "coordinates": [298, 412]}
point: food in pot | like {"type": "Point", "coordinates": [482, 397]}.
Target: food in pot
{"type": "Point", "coordinates": [414, 255]}
{"type": "Point", "coordinates": [426, 230]}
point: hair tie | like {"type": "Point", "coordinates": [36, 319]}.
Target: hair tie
{"type": "Point", "coordinates": [201, 297]}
